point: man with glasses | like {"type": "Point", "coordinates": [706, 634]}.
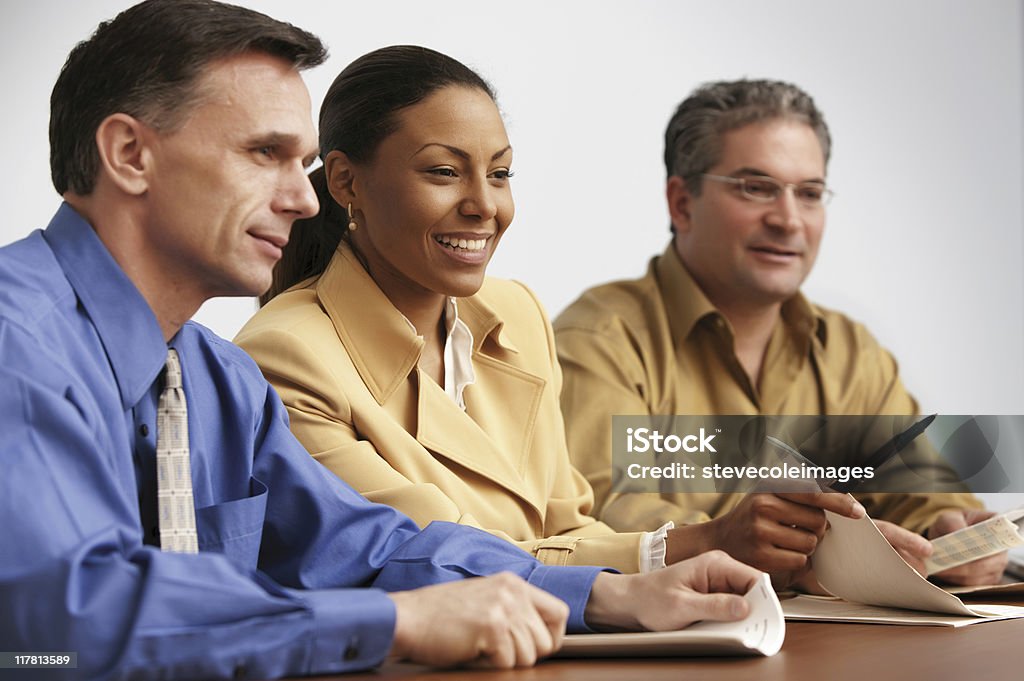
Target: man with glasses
{"type": "Point", "coordinates": [718, 326]}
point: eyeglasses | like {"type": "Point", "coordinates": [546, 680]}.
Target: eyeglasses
{"type": "Point", "coordinates": [764, 189]}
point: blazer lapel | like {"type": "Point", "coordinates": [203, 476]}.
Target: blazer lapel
{"type": "Point", "coordinates": [498, 387]}
{"type": "Point", "coordinates": [488, 438]}
{"type": "Point", "coordinates": [379, 340]}
{"type": "Point", "coordinates": [491, 439]}
{"type": "Point", "coordinates": [449, 432]}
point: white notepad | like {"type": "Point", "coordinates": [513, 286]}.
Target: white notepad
{"type": "Point", "coordinates": [760, 633]}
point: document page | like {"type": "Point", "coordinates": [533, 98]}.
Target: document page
{"type": "Point", "coordinates": [980, 540]}
{"type": "Point", "coordinates": [822, 609]}
{"type": "Point", "coordinates": [760, 633]}
{"type": "Point", "coordinates": [855, 562]}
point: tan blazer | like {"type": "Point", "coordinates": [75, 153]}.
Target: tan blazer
{"type": "Point", "coordinates": [344, 361]}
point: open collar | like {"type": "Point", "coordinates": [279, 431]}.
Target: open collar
{"type": "Point", "coordinates": [382, 344]}
{"type": "Point", "coordinates": [686, 305]}
{"type": "Point", "coordinates": [125, 323]}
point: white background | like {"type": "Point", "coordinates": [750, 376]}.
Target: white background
{"type": "Point", "coordinates": [924, 99]}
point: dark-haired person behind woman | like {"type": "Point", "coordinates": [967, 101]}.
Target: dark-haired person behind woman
{"type": "Point", "coordinates": [405, 371]}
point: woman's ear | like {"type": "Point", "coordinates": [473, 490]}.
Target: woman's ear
{"type": "Point", "coordinates": [340, 173]}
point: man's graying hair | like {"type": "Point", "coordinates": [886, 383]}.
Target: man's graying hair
{"type": "Point", "coordinates": [693, 138]}
{"type": "Point", "coordinates": [147, 63]}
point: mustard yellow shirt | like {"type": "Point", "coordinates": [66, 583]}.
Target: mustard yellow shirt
{"type": "Point", "coordinates": [657, 345]}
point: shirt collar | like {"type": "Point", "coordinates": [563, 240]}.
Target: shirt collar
{"type": "Point", "coordinates": [126, 325]}
{"type": "Point", "coordinates": [457, 356]}
{"type": "Point", "coordinates": [688, 304]}
{"type": "Point", "coordinates": [380, 341]}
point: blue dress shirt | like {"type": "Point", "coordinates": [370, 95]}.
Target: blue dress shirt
{"type": "Point", "coordinates": [293, 564]}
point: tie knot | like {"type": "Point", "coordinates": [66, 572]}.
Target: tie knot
{"type": "Point", "coordinates": [172, 378]}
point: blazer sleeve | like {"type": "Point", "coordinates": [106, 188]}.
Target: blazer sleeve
{"type": "Point", "coordinates": [571, 503]}
{"type": "Point", "coordinates": [603, 375]}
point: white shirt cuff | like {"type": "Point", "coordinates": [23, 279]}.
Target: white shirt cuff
{"type": "Point", "coordinates": [652, 548]}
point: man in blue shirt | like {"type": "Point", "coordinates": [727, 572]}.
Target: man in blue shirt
{"type": "Point", "coordinates": [180, 134]}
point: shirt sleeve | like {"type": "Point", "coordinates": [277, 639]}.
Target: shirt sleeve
{"type": "Point", "coordinates": [377, 545]}
{"type": "Point", "coordinates": [877, 384]}
{"type": "Point", "coordinates": [76, 576]}
{"type": "Point", "coordinates": [306, 546]}
{"type": "Point", "coordinates": [447, 551]}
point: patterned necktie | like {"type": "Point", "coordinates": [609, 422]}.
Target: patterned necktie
{"type": "Point", "coordinates": [175, 504]}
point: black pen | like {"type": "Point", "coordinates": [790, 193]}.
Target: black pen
{"type": "Point", "coordinates": [886, 452]}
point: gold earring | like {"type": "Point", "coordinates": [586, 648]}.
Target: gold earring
{"type": "Point", "coordinates": [352, 224]}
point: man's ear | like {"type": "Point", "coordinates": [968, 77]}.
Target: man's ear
{"type": "Point", "coordinates": [340, 173]}
{"type": "Point", "coordinates": [122, 145]}
{"type": "Point", "coordinates": [680, 202]}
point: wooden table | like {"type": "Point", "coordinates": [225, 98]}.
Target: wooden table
{"type": "Point", "coordinates": [993, 651]}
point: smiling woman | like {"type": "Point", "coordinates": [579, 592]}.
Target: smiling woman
{"type": "Point", "coordinates": [435, 200]}
{"type": "Point", "coordinates": [406, 371]}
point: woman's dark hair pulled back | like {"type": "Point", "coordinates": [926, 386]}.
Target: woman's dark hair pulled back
{"type": "Point", "coordinates": [359, 111]}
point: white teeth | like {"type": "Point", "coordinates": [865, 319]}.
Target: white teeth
{"type": "Point", "coordinates": [464, 244]}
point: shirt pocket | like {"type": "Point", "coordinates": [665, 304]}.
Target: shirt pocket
{"type": "Point", "coordinates": [235, 528]}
